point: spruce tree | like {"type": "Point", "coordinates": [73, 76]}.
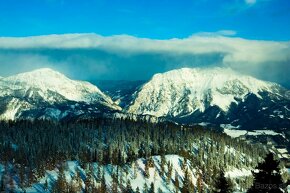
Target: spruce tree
{"type": "Point", "coordinates": [200, 183]}
{"type": "Point", "coordinates": [145, 188]}
{"type": "Point", "coordinates": [137, 190]}
{"type": "Point", "coordinates": [267, 179]}
{"type": "Point", "coordinates": [61, 185]}
{"type": "Point", "coordinates": [222, 184]}
{"type": "Point", "coordinates": [128, 187]}
{"type": "Point", "coordinates": [146, 170]}
{"type": "Point", "coordinates": [103, 188]}
{"type": "Point", "coordinates": [176, 182]}
{"type": "Point", "coordinates": [186, 188]}
{"type": "Point", "coordinates": [152, 188]}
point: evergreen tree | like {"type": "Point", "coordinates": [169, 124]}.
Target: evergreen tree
{"type": "Point", "coordinates": [145, 188]}
{"type": "Point", "coordinates": [61, 185]}
{"type": "Point", "coordinates": [146, 170]}
{"type": "Point", "coordinates": [152, 188]}
{"type": "Point", "coordinates": [137, 190]}
{"type": "Point", "coordinates": [268, 178]}
{"type": "Point", "coordinates": [169, 173]}
{"type": "Point", "coordinates": [115, 183]}
{"type": "Point", "coordinates": [103, 188]}
{"type": "Point", "coordinates": [135, 168]}
{"type": "Point", "coordinates": [187, 183]}
{"type": "Point", "coordinates": [2, 186]}
{"type": "Point", "coordinates": [128, 187]}
{"type": "Point", "coordinates": [199, 183]}
{"type": "Point", "coordinates": [222, 184]}
{"type": "Point", "coordinates": [45, 185]}
{"type": "Point", "coordinates": [176, 182]}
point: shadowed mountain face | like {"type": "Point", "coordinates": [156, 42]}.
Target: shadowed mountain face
{"type": "Point", "coordinates": [216, 96]}
{"type": "Point", "coordinates": [121, 91]}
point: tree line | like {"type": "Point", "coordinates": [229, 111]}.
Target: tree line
{"type": "Point", "coordinates": [29, 148]}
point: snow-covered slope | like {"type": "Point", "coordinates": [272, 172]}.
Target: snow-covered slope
{"type": "Point", "coordinates": [201, 94]}
{"type": "Point", "coordinates": [48, 80]}
{"type": "Point", "coordinates": [185, 90]}
{"type": "Point", "coordinates": [39, 88]}
{"type": "Point", "coordinates": [133, 173]}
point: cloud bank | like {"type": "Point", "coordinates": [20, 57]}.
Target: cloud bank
{"type": "Point", "coordinates": [92, 56]}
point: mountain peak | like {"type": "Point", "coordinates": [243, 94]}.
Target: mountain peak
{"type": "Point", "coordinates": [41, 74]}
{"type": "Point", "coordinates": [45, 70]}
{"type": "Point", "coordinates": [184, 91]}
{"type": "Point", "coordinates": [46, 79]}
{"type": "Point", "coordinates": [211, 78]}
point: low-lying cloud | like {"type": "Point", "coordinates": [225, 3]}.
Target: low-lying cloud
{"type": "Point", "coordinates": [92, 56]}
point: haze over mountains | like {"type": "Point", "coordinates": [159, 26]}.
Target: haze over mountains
{"type": "Point", "coordinates": [212, 96]}
{"type": "Point", "coordinates": [90, 56]}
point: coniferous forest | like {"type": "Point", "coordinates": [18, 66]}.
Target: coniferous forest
{"type": "Point", "coordinates": [30, 148]}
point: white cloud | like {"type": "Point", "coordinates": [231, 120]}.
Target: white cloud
{"type": "Point", "coordinates": [218, 33]}
{"type": "Point", "coordinates": [238, 52]}
{"type": "Point", "coordinates": [237, 49]}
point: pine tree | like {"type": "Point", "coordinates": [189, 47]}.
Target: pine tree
{"type": "Point", "coordinates": [152, 188]}
{"type": "Point", "coordinates": [146, 170]}
{"type": "Point", "coordinates": [200, 183]}
{"type": "Point", "coordinates": [135, 167]}
{"type": "Point", "coordinates": [89, 178]}
{"type": "Point", "coordinates": [137, 190]}
{"type": "Point", "coordinates": [162, 165]}
{"type": "Point", "coordinates": [115, 183]}
{"type": "Point", "coordinates": [2, 187]}
{"type": "Point", "coordinates": [128, 187]}
{"type": "Point", "coordinates": [78, 179]}
{"type": "Point", "coordinates": [222, 185]}
{"type": "Point", "coordinates": [150, 162]}
{"type": "Point", "coordinates": [45, 185]}
{"type": "Point", "coordinates": [103, 188]}
{"type": "Point", "coordinates": [99, 174]}
{"type": "Point", "coordinates": [61, 184]}
{"type": "Point", "coordinates": [268, 178]}
{"type": "Point", "coordinates": [145, 188]}
{"type": "Point", "coordinates": [176, 182]}
{"type": "Point", "coordinates": [187, 183]}
{"type": "Point", "coordinates": [159, 190]}
{"type": "Point", "coordinates": [169, 173]}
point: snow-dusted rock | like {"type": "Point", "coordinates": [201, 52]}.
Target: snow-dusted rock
{"type": "Point", "coordinates": [213, 95]}
{"type": "Point", "coordinates": [43, 87]}
{"type": "Point", "coordinates": [181, 92]}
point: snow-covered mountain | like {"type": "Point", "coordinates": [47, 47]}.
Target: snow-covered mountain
{"type": "Point", "coordinates": [49, 94]}
{"type": "Point", "coordinates": [205, 96]}
{"type": "Point", "coordinates": [216, 95]}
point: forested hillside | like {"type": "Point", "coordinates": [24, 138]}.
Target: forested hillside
{"type": "Point", "coordinates": [31, 148]}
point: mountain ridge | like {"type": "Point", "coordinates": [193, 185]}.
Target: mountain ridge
{"type": "Point", "coordinates": [189, 96]}
{"type": "Point", "coordinates": [207, 95]}
{"type": "Point", "coordinates": [45, 89]}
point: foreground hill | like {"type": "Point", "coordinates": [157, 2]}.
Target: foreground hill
{"type": "Point", "coordinates": [76, 156]}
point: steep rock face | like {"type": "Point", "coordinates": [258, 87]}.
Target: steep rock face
{"type": "Point", "coordinates": [209, 95]}
{"type": "Point", "coordinates": [48, 94]}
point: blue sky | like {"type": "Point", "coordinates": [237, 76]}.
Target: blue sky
{"type": "Point", "coordinates": [162, 19]}
{"type": "Point", "coordinates": [135, 39]}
